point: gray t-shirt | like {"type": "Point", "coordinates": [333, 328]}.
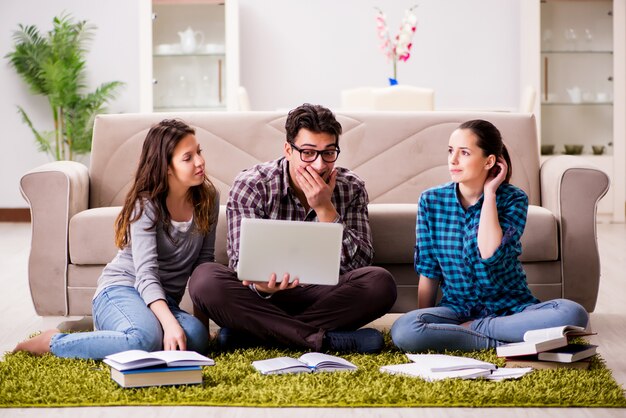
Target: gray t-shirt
{"type": "Point", "coordinates": [155, 265]}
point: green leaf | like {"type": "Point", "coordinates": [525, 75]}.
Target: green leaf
{"type": "Point", "coordinates": [44, 139]}
{"type": "Point", "coordinates": [54, 66]}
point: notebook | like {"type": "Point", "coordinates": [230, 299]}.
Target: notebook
{"type": "Point", "coordinates": [310, 251]}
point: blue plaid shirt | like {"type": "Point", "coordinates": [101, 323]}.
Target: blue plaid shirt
{"type": "Point", "coordinates": [447, 250]}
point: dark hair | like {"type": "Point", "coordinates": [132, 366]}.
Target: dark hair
{"type": "Point", "coordinates": [314, 118]}
{"type": "Point", "coordinates": [489, 139]}
{"type": "Point", "coordinates": [151, 183]}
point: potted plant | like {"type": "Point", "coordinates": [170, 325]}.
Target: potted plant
{"type": "Point", "coordinates": [54, 66]}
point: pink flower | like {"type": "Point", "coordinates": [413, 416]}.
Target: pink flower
{"type": "Point", "coordinates": [399, 48]}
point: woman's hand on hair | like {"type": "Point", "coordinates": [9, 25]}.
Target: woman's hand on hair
{"type": "Point", "coordinates": [496, 176]}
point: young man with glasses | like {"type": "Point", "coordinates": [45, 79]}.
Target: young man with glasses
{"type": "Point", "coordinates": [303, 185]}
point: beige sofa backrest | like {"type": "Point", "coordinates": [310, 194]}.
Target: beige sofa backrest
{"type": "Point", "coordinates": [411, 158]}
{"type": "Point", "coordinates": [398, 154]}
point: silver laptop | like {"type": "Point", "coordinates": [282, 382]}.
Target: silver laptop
{"type": "Point", "coordinates": [310, 251]}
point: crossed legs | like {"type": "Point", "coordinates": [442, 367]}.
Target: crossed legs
{"type": "Point", "coordinates": [295, 317]}
{"type": "Point", "coordinates": [442, 328]}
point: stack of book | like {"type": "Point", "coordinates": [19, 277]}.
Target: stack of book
{"type": "Point", "coordinates": [549, 348]}
{"type": "Point", "coordinates": [137, 368]}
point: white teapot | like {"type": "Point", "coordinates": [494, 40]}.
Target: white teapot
{"type": "Point", "coordinates": [190, 40]}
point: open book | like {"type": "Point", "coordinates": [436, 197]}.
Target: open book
{"type": "Point", "coordinates": [309, 362]}
{"type": "Point", "coordinates": [433, 367]}
{"type": "Point", "coordinates": [508, 373]}
{"type": "Point", "coordinates": [444, 363]}
{"type": "Point", "coordinates": [539, 340]}
{"type": "Point", "coordinates": [136, 359]}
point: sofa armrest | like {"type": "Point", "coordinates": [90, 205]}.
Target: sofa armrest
{"type": "Point", "coordinates": [55, 192]}
{"type": "Point", "coordinates": [571, 188]}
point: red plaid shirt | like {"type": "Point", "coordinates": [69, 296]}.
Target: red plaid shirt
{"type": "Point", "coordinates": [263, 191]}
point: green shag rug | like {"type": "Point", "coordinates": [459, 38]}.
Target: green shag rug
{"type": "Point", "coordinates": [48, 381]}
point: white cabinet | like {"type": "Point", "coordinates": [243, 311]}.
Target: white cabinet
{"type": "Point", "coordinates": [577, 76]}
{"type": "Point", "coordinates": [194, 54]}
{"type": "Point", "coordinates": [573, 53]}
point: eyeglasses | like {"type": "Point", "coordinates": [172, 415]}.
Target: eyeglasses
{"type": "Point", "coordinates": [310, 155]}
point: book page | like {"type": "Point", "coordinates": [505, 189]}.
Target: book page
{"type": "Point", "coordinates": [131, 359]}
{"type": "Point", "coordinates": [508, 373]}
{"type": "Point", "coordinates": [550, 333]}
{"type": "Point", "coordinates": [442, 362]}
{"type": "Point", "coordinates": [325, 360]}
{"type": "Point", "coordinates": [529, 347]}
{"type": "Point", "coordinates": [182, 357]}
{"type": "Point", "coordinates": [130, 355]}
{"type": "Point", "coordinates": [414, 369]}
{"type": "Point", "coordinates": [280, 364]}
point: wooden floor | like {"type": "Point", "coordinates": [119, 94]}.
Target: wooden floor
{"type": "Point", "coordinates": [18, 320]}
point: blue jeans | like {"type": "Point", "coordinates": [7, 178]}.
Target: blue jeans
{"type": "Point", "coordinates": [440, 328]}
{"type": "Point", "coordinates": [124, 322]}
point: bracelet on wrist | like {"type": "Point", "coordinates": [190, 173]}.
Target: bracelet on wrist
{"type": "Point", "coordinates": [260, 294]}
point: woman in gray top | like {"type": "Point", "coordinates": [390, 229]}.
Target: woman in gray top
{"type": "Point", "coordinates": [165, 229]}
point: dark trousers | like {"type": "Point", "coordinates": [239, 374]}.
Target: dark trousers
{"type": "Point", "coordinates": [294, 317]}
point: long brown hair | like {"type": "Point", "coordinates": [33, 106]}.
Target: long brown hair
{"type": "Point", "coordinates": [151, 184]}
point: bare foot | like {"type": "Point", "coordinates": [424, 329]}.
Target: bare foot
{"type": "Point", "coordinates": [39, 344]}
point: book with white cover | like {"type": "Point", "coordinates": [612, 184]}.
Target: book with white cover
{"type": "Point", "coordinates": [307, 363]}
{"type": "Point", "coordinates": [136, 359]}
{"type": "Point", "coordinates": [443, 362]}
{"type": "Point", "coordinates": [569, 354]}
{"type": "Point", "coordinates": [539, 340]}
{"type": "Point", "coordinates": [508, 373]}
{"type": "Point", "coordinates": [424, 372]}
{"type": "Point", "coordinates": [432, 367]}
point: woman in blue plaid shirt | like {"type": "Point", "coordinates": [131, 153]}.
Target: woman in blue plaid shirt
{"type": "Point", "coordinates": [468, 243]}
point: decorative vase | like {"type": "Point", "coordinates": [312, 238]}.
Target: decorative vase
{"type": "Point", "coordinates": [393, 81]}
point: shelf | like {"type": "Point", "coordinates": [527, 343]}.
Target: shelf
{"type": "Point", "coordinates": [591, 157]}
{"type": "Point", "coordinates": [189, 108]}
{"type": "Point", "coordinates": [577, 104]}
{"type": "Point", "coordinates": [196, 54]}
{"type": "Point", "coordinates": [575, 52]}
{"type": "Point", "coordinates": [186, 2]}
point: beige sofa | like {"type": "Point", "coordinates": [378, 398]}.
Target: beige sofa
{"type": "Point", "coordinates": [398, 154]}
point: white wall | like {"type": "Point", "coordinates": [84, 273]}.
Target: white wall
{"type": "Point", "coordinates": [295, 51]}
{"type": "Point", "coordinates": [291, 51]}
{"type": "Point", "coordinates": [114, 56]}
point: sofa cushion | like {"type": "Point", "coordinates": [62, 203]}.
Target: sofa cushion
{"type": "Point", "coordinates": [393, 230]}
{"type": "Point", "coordinates": [92, 237]}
